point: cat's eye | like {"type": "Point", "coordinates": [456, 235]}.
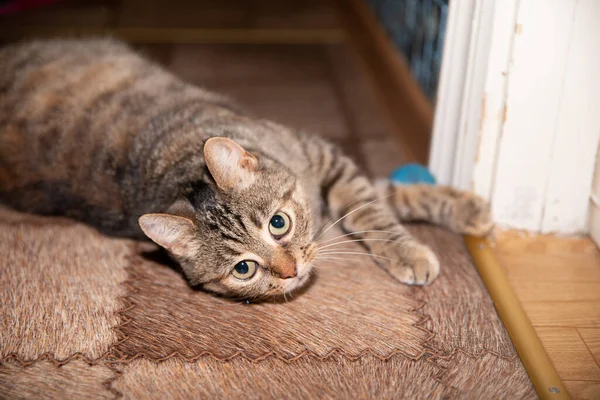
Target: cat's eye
{"type": "Point", "coordinates": [245, 270]}
{"type": "Point", "coordinates": [279, 224]}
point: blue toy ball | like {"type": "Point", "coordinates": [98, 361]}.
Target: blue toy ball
{"type": "Point", "coordinates": [412, 173]}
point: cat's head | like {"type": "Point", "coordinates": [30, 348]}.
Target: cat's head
{"type": "Point", "coordinates": [246, 232]}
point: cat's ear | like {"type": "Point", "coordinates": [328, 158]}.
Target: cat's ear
{"type": "Point", "coordinates": [182, 208]}
{"type": "Point", "coordinates": [230, 165]}
{"type": "Point", "coordinates": [176, 234]}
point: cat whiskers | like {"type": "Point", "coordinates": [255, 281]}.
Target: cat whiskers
{"type": "Point", "coordinates": [352, 253]}
{"type": "Point", "coordinates": [350, 213]}
{"type": "Point", "coordinates": [329, 260]}
{"type": "Point", "coordinates": [358, 253]}
{"type": "Point", "coordinates": [333, 253]}
{"type": "Point", "coordinates": [355, 233]}
{"type": "Point", "coordinates": [353, 240]}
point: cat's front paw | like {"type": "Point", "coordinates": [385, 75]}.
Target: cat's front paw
{"type": "Point", "coordinates": [472, 215]}
{"type": "Point", "coordinates": [411, 263]}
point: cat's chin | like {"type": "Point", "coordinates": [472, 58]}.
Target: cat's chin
{"type": "Point", "coordinates": [291, 285]}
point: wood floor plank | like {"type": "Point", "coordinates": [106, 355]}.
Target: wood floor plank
{"type": "Point", "coordinates": [526, 267]}
{"type": "Point", "coordinates": [591, 337]}
{"type": "Point", "coordinates": [547, 258]}
{"type": "Point", "coordinates": [569, 354]}
{"type": "Point", "coordinates": [515, 241]}
{"type": "Point", "coordinates": [557, 280]}
{"type": "Point", "coordinates": [576, 314]}
{"type": "Point", "coordinates": [583, 390]}
{"type": "Point", "coordinates": [528, 291]}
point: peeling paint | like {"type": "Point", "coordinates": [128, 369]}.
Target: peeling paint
{"type": "Point", "coordinates": [482, 115]}
{"type": "Point", "coordinates": [479, 138]}
{"type": "Point", "coordinates": [518, 29]}
{"type": "Point", "coordinates": [481, 124]}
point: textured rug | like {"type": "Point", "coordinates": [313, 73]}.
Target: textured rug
{"type": "Point", "coordinates": [87, 316]}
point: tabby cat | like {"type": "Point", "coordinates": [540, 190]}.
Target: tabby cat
{"type": "Point", "coordinates": [91, 130]}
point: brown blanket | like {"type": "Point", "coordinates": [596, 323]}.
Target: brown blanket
{"type": "Point", "coordinates": [87, 316]}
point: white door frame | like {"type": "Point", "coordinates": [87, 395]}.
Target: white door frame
{"type": "Point", "coordinates": [471, 96]}
{"type": "Point", "coordinates": [518, 109]}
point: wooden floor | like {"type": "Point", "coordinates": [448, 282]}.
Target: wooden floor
{"type": "Point", "coordinates": [557, 281]}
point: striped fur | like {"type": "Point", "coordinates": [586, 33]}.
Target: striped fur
{"type": "Point", "coordinates": [93, 131]}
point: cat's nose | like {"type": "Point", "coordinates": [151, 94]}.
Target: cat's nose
{"type": "Point", "coordinates": [289, 273]}
{"type": "Point", "coordinates": [284, 265]}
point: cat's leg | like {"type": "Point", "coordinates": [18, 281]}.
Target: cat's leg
{"type": "Point", "coordinates": [353, 200]}
{"type": "Point", "coordinates": [457, 210]}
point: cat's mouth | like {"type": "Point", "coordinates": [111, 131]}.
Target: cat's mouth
{"type": "Point", "coordinates": [289, 285]}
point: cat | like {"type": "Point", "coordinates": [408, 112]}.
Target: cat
{"type": "Point", "coordinates": [91, 130]}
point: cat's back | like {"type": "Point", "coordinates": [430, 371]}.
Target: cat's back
{"type": "Point", "coordinates": [43, 76]}
{"type": "Point", "coordinates": [92, 130]}
{"type": "Point", "coordinates": [46, 59]}
{"type": "Point", "coordinates": [73, 114]}
{"type": "Point", "coordinates": [60, 82]}
{"type": "Point", "coordinates": [58, 97]}
{"type": "Point", "coordinates": [66, 100]}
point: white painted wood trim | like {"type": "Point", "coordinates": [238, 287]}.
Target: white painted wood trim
{"type": "Point", "coordinates": [594, 205]}
{"type": "Point", "coordinates": [473, 96]}
{"type": "Point", "coordinates": [533, 101]}
{"type": "Point", "coordinates": [575, 145]}
{"type": "Point", "coordinates": [550, 137]}
{"type": "Point", "coordinates": [450, 90]}
{"type": "Point", "coordinates": [594, 227]}
{"type": "Point", "coordinates": [461, 99]}
{"type": "Point", "coordinates": [518, 113]}
{"type": "Point", "coordinates": [493, 111]}
{"type": "Point", "coordinates": [594, 210]}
